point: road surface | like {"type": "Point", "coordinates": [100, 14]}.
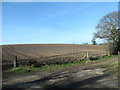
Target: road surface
{"type": "Point", "coordinates": [89, 75]}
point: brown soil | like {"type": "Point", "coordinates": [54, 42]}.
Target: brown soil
{"type": "Point", "coordinates": [24, 51]}
{"type": "Point", "coordinates": [48, 53]}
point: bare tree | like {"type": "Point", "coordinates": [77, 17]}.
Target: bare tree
{"type": "Point", "coordinates": [108, 28]}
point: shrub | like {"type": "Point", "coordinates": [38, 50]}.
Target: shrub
{"type": "Point", "coordinates": [35, 63]}
{"type": "Point", "coordinates": [94, 58]}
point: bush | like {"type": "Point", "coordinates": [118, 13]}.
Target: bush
{"type": "Point", "coordinates": [113, 49]}
{"type": "Point", "coordinates": [35, 63]}
{"type": "Point", "coordinates": [94, 58]}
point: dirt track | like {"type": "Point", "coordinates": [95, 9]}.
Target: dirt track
{"type": "Point", "coordinates": [90, 75]}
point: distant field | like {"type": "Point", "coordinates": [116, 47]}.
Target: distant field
{"type": "Point", "coordinates": [50, 52]}
{"type": "Point", "coordinates": [43, 50]}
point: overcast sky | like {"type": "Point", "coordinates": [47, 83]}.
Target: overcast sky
{"type": "Point", "coordinates": [52, 22]}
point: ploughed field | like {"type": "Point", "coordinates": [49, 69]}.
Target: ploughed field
{"type": "Point", "coordinates": [50, 53]}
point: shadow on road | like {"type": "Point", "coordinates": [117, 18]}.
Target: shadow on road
{"type": "Point", "coordinates": [67, 83]}
{"type": "Point", "coordinates": [74, 84]}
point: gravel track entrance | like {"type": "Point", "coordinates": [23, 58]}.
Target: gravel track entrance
{"type": "Point", "coordinates": [89, 75]}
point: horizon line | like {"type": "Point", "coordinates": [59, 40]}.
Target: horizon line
{"type": "Point", "coordinates": [53, 44]}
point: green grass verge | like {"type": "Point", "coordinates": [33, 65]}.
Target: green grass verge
{"type": "Point", "coordinates": [55, 66]}
{"type": "Point", "coordinates": [46, 67]}
{"type": "Point", "coordinates": [112, 68]}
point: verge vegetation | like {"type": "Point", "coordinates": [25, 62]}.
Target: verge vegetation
{"type": "Point", "coordinates": [32, 68]}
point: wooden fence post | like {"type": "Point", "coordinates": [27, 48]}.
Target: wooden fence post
{"type": "Point", "coordinates": [87, 55]}
{"type": "Point", "coordinates": [15, 62]}
{"type": "Point", "coordinates": [108, 53]}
